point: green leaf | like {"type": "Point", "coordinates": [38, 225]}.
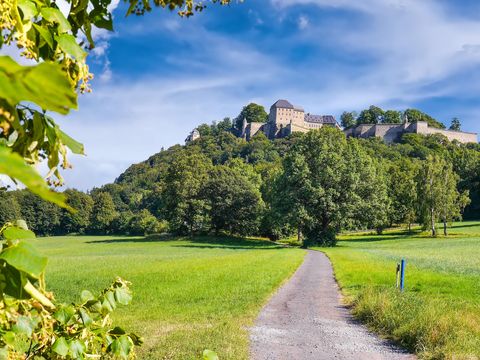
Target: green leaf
{"type": "Point", "coordinates": [117, 331]}
{"type": "Point", "coordinates": [24, 325]}
{"type": "Point", "coordinates": [61, 346]}
{"type": "Point", "coordinates": [110, 297]}
{"type": "Point", "coordinates": [123, 296]}
{"type": "Point", "coordinates": [45, 34]}
{"type": "Point", "coordinates": [54, 15]}
{"type": "Point", "coordinates": [86, 319]}
{"type": "Point", "coordinates": [14, 166]}
{"type": "Point", "coordinates": [209, 355]}
{"type": "Point", "coordinates": [9, 338]}
{"type": "Point", "coordinates": [26, 258]}
{"type": "Point", "coordinates": [16, 233]}
{"type": "Point", "coordinates": [122, 346]}
{"type": "Point", "coordinates": [72, 144]}
{"type": "Point", "coordinates": [64, 314]}
{"type": "Point", "coordinates": [86, 296]}
{"type": "Point", "coordinates": [45, 84]}
{"type": "Point", "coordinates": [28, 8]}
{"type": "Point", "coordinates": [68, 44]}
{"type": "Point", "coordinates": [14, 282]}
{"type": "Point", "coordinates": [137, 340]}
{"type": "Point", "coordinates": [77, 349]}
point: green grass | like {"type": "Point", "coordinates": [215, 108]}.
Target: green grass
{"type": "Point", "coordinates": [188, 294]}
{"type": "Point", "coordinates": [438, 316]}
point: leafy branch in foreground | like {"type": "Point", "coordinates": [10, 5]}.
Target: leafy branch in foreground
{"type": "Point", "coordinates": [34, 326]}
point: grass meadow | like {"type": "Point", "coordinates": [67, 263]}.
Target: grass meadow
{"type": "Point", "coordinates": [438, 315]}
{"type": "Point", "coordinates": [189, 295]}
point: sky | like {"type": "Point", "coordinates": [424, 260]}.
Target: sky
{"type": "Point", "coordinates": [159, 76]}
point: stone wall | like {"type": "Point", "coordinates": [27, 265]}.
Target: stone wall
{"type": "Point", "coordinates": [252, 129]}
{"type": "Point", "coordinates": [460, 136]}
{"type": "Point", "coordinates": [394, 132]}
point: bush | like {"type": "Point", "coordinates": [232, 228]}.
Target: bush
{"type": "Point", "coordinates": [320, 237]}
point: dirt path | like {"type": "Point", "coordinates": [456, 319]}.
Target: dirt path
{"type": "Point", "coordinates": [305, 320]}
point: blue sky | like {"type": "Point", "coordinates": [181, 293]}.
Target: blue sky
{"type": "Point", "coordinates": [159, 76]}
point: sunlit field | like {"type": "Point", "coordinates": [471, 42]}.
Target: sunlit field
{"type": "Point", "coordinates": [438, 315]}
{"type": "Point", "coordinates": [189, 295]}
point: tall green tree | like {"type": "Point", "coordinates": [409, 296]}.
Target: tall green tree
{"type": "Point", "coordinates": [403, 191]}
{"type": "Point", "coordinates": [185, 208]}
{"type": "Point", "coordinates": [9, 207]}
{"type": "Point", "coordinates": [347, 119]}
{"type": "Point", "coordinates": [234, 201]}
{"type": "Point", "coordinates": [416, 115]}
{"type": "Point", "coordinates": [103, 213]}
{"type": "Point", "coordinates": [455, 125]}
{"type": "Point", "coordinates": [252, 113]}
{"type": "Point", "coordinates": [315, 191]}
{"type": "Point", "coordinates": [392, 117]}
{"type": "Point", "coordinates": [440, 200]}
{"type": "Point", "coordinates": [372, 115]}
{"type": "Point", "coordinates": [369, 202]}
{"type": "Point", "coordinates": [78, 221]}
{"type": "Point", "coordinates": [42, 216]}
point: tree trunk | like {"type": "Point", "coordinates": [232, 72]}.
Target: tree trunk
{"type": "Point", "coordinates": [299, 234]}
{"type": "Point", "coordinates": [432, 221]}
{"type": "Point", "coordinates": [445, 227]}
{"type": "Point", "coordinates": [409, 227]}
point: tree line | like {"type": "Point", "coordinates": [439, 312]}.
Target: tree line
{"type": "Point", "coordinates": [377, 115]}
{"type": "Point", "coordinates": [309, 185]}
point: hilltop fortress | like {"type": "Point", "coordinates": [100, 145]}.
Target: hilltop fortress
{"type": "Point", "coordinates": [285, 119]}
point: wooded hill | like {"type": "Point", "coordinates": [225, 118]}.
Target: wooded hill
{"type": "Point", "coordinates": [313, 185]}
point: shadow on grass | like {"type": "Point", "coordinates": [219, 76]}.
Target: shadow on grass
{"type": "Point", "coordinates": [383, 237]}
{"type": "Point", "coordinates": [460, 226]}
{"type": "Point", "coordinates": [228, 242]}
{"type": "Point", "coordinates": [201, 242]}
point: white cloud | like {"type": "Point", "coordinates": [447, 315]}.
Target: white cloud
{"type": "Point", "coordinates": [410, 40]}
{"type": "Point", "coordinates": [303, 22]}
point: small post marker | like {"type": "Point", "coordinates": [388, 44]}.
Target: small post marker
{"type": "Point", "coordinates": [397, 276]}
{"type": "Point", "coordinates": [403, 264]}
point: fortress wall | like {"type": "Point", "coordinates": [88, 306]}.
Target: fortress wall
{"type": "Point", "coordinates": [451, 135]}
{"type": "Point", "coordinates": [297, 128]}
{"type": "Point", "coordinates": [389, 132]}
{"type": "Point", "coordinates": [364, 130]}
{"type": "Point", "coordinates": [253, 128]}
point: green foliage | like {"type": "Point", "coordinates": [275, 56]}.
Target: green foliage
{"type": "Point", "coordinates": [455, 125]}
{"type": "Point", "coordinates": [440, 198]}
{"type": "Point", "coordinates": [403, 191]}
{"type": "Point", "coordinates": [316, 192]}
{"type": "Point", "coordinates": [9, 207]}
{"type": "Point", "coordinates": [372, 115]}
{"type": "Point", "coordinates": [103, 213]}
{"type": "Point", "coordinates": [392, 117]}
{"type": "Point", "coordinates": [42, 216]}
{"type": "Point", "coordinates": [78, 221]}
{"type": "Point", "coordinates": [251, 113]}
{"type": "Point", "coordinates": [347, 119]}
{"type": "Point", "coordinates": [34, 325]}
{"type": "Point", "coordinates": [416, 115]}
{"type": "Point", "coordinates": [234, 202]}
{"type": "Point", "coordinates": [185, 208]}
{"type": "Point", "coordinates": [145, 223]}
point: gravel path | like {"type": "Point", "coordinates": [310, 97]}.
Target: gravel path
{"type": "Point", "coordinates": [305, 320]}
